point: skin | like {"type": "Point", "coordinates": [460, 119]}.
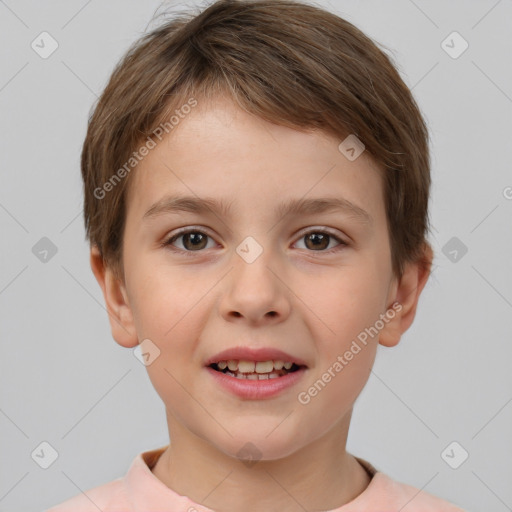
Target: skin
{"type": "Point", "coordinates": [309, 302]}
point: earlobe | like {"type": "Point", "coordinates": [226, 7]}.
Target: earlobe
{"type": "Point", "coordinates": [390, 335]}
{"type": "Point", "coordinates": [116, 301]}
{"type": "Point", "coordinates": [407, 294]}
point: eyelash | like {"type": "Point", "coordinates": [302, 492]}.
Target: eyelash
{"type": "Point", "coordinates": [168, 242]}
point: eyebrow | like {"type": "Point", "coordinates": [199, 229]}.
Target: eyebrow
{"type": "Point", "coordinates": [176, 204]}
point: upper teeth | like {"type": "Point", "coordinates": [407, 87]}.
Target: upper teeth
{"type": "Point", "coordinates": [252, 366]}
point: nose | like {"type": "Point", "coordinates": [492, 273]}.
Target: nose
{"type": "Point", "coordinates": [255, 293]}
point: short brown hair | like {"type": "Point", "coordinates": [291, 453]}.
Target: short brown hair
{"type": "Point", "coordinates": [285, 61]}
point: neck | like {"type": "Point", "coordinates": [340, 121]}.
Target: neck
{"type": "Point", "coordinates": [319, 476]}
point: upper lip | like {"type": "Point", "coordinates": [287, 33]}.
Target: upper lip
{"type": "Point", "coordinates": [254, 354]}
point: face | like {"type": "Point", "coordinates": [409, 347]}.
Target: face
{"type": "Point", "coordinates": [307, 283]}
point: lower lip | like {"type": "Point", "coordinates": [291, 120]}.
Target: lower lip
{"type": "Point", "coordinates": [256, 389]}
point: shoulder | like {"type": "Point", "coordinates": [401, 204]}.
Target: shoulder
{"type": "Point", "coordinates": [102, 498]}
{"type": "Point", "coordinates": [122, 493]}
{"type": "Point", "coordinates": [416, 499]}
{"type": "Point", "coordinates": [383, 491]}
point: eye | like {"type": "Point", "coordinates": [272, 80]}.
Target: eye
{"type": "Point", "coordinates": [319, 239]}
{"type": "Point", "coordinates": [193, 240]}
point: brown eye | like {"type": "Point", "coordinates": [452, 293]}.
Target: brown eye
{"type": "Point", "coordinates": [319, 240]}
{"type": "Point", "coordinates": [192, 240]}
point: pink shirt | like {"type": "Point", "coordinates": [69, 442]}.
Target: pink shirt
{"type": "Point", "coordinates": [141, 491]}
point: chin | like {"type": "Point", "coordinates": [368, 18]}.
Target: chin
{"type": "Point", "coordinates": [252, 445]}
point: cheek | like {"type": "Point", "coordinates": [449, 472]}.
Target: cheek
{"type": "Point", "coordinates": [166, 300]}
{"type": "Point", "coordinates": [331, 394]}
{"type": "Point", "coordinates": [168, 311]}
{"type": "Point", "coordinates": [343, 303]}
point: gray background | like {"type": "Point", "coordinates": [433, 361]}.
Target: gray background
{"type": "Point", "coordinates": [65, 381]}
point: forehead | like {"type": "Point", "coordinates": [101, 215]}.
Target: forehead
{"type": "Point", "coordinates": [220, 151]}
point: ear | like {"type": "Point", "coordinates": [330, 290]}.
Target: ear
{"type": "Point", "coordinates": [404, 298]}
{"type": "Point", "coordinates": [116, 300]}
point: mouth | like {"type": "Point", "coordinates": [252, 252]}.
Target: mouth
{"type": "Point", "coordinates": [256, 370]}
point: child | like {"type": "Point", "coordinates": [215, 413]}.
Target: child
{"type": "Point", "coordinates": [256, 183]}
